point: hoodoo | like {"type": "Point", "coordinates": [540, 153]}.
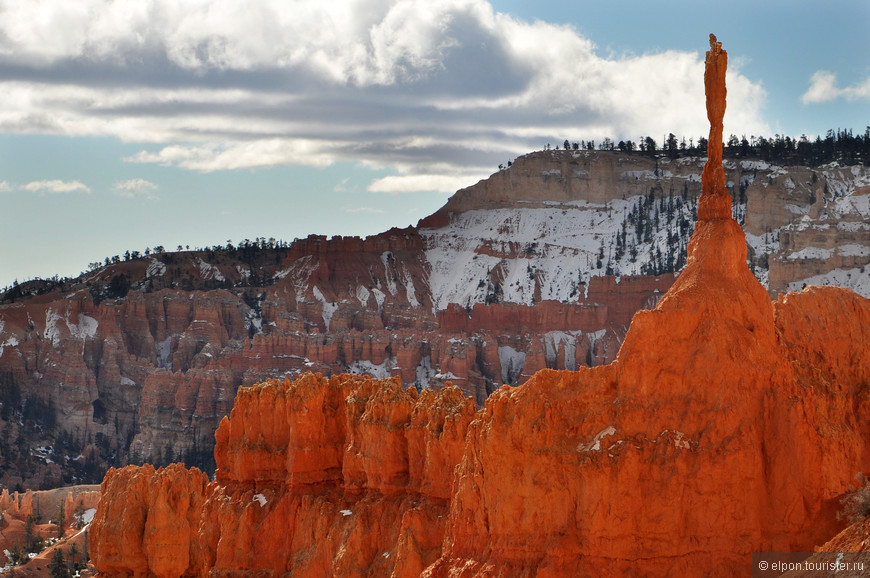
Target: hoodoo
{"type": "Point", "coordinates": [715, 202]}
{"type": "Point", "coordinates": [726, 425]}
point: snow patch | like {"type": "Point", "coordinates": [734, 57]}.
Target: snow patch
{"type": "Point", "coordinates": [387, 259]}
{"type": "Point", "coordinates": [425, 373]}
{"type": "Point", "coordinates": [300, 273]}
{"type": "Point", "coordinates": [411, 291]}
{"type": "Point", "coordinates": [85, 328]}
{"type": "Point", "coordinates": [261, 499]}
{"type": "Point", "coordinates": [164, 349]}
{"type": "Point", "coordinates": [88, 515]}
{"type": "Point", "coordinates": [512, 363]}
{"type": "Point", "coordinates": [853, 250]}
{"type": "Point", "coordinates": [811, 253]}
{"type": "Point", "coordinates": [208, 271]}
{"type": "Point", "coordinates": [155, 269]}
{"type": "Point", "coordinates": [52, 333]}
{"type": "Point", "coordinates": [363, 295]}
{"type": "Point", "coordinates": [544, 252]}
{"type": "Point", "coordinates": [346, 512]}
{"type": "Point", "coordinates": [553, 340]}
{"type": "Point", "coordinates": [595, 444]}
{"type": "Point", "coordinates": [378, 371]}
{"type": "Point", "coordinates": [127, 381]}
{"type": "Point", "coordinates": [11, 341]}
{"type": "Point", "coordinates": [254, 322]}
{"type": "Point", "coordinates": [329, 308]}
{"type": "Point", "coordinates": [379, 298]}
{"type": "Point", "coordinates": [858, 280]}
{"type": "Point", "coordinates": [244, 272]}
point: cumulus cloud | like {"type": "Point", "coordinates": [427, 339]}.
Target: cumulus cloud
{"type": "Point", "coordinates": [823, 88]}
{"type": "Point", "coordinates": [56, 187]}
{"type": "Point", "coordinates": [429, 89]}
{"type": "Point", "coordinates": [5, 187]}
{"type": "Point", "coordinates": [135, 188]}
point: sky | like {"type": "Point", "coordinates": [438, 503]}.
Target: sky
{"type": "Point", "coordinates": [131, 124]}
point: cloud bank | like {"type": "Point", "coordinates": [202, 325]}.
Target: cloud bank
{"type": "Point", "coordinates": [438, 91]}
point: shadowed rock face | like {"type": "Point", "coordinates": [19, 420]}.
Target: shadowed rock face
{"type": "Point", "coordinates": [727, 424]}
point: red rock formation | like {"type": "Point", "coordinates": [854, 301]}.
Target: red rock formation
{"type": "Point", "coordinates": [726, 425]}
{"type": "Point", "coordinates": [152, 530]}
{"type": "Point", "coordinates": [715, 202]}
{"type": "Point", "coordinates": [346, 464]}
{"type": "Point", "coordinates": [660, 463]}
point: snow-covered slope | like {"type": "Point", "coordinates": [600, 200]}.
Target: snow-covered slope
{"type": "Point", "coordinates": [543, 227]}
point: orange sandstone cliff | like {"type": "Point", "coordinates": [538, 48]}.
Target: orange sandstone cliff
{"type": "Point", "coordinates": [726, 425]}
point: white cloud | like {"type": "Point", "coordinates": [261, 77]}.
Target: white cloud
{"type": "Point", "coordinates": [134, 188]}
{"type": "Point", "coordinates": [434, 183]}
{"type": "Point", "coordinates": [56, 187]}
{"type": "Point", "coordinates": [5, 187]}
{"type": "Point", "coordinates": [244, 155]}
{"type": "Point", "coordinates": [435, 90]}
{"type": "Point", "coordinates": [823, 88]}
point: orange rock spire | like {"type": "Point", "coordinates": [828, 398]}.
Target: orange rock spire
{"type": "Point", "coordinates": [715, 202]}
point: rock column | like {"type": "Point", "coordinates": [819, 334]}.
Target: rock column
{"type": "Point", "coordinates": [715, 202]}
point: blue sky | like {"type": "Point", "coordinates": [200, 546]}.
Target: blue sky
{"type": "Point", "coordinates": [134, 124]}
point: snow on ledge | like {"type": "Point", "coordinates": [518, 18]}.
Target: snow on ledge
{"type": "Point", "coordinates": [595, 444]}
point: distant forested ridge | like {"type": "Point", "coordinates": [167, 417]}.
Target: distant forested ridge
{"type": "Point", "coordinates": [841, 146]}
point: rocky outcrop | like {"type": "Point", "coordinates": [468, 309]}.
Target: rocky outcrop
{"type": "Point", "coordinates": [16, 505]}
{"type": "Point", "coordinates": [726, 425]}
{"type": "Point", "coordinates": [151, 529]}
{"type": "Point", "coordinates": [355, 473]}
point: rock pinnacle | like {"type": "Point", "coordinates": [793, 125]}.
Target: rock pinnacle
{"type": "Point", "coordinates": [715, 202]}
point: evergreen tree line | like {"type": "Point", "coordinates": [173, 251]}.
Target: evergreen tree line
{"type": "Point", "coordinates": [662, 226]}
{"type": "Point", "coordinates": [842, 146]}
{"type": "Point", "coordinates": [246, 251]}
{"type": "Point", "coordinates": [656, 230]}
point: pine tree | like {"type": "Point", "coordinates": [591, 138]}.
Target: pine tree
{"type": "Point", "coordinates": [61, 516]}
{"type": "Point", "coordinates": [57, 566]}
